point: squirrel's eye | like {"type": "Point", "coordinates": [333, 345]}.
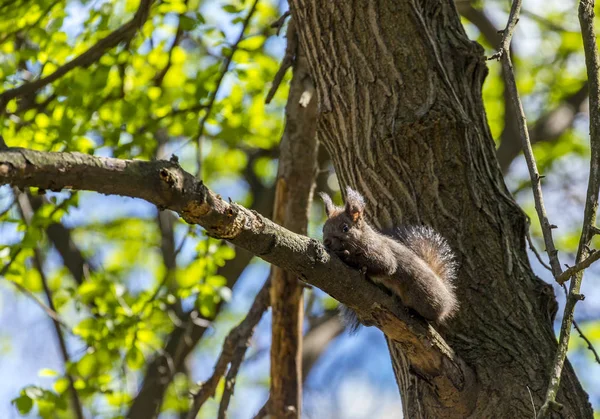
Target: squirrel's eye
{"type": "Point", "coordinates": [345, 228]}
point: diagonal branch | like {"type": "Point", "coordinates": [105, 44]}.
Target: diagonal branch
{"type": "Point", "coordinates": [504, 55]}
{"type": "Point", "coordinates": [123, 33]}
{"type": "Point", "coordinates": [548, 127]}
{"type": "Point", "coordinates": [234, 347]}
{"type": "Point", "coordinates": [167, 185]}
{"type": "Point", "coordinates": [27, 213]}
{"type": "Point", "coordinates": [224, 71]}
{"type": "Point", "coordinates": [574, 270]}
{"type": "Point", "coordinates": [62, 239]}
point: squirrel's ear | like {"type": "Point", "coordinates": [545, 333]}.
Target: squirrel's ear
{"type": "Point", "coordinates": [329, 207]}
{"type": "Point", "coordinates": [355, 204]}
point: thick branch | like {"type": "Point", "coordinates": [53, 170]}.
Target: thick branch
{"type": "Point", "coordinates": [166, 185]}
{"type": "Point", "coordinates": [123, 33]}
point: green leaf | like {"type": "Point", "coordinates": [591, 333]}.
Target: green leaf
{"type": "Point", "coordinates": [230, 8]}
{"type": "Point", "coordinates": [45, 372]}
{"type": "Point", "coordinates": [23, 403]}
{"type": "Point", "coordinates": [135, 358]}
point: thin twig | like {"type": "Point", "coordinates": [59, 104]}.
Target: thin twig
{"type": "Point", "coordinates": [59, 335]}
{"type": "Point", "coordinates": [536, 253]}
{"type": "Point", "coordinates": [278, 24]}
{"type": "Point", "coordinates": [27, 214]}
{"type": "Point", "coordinates": [158, 79]}
{"type": "Point", "coordinates": [51, 313]}
{"type": "Point", "coordinates": [573, 270]}
{"type": "Point", "coordinates": [504, 55]}
{"type": "Point", "coordinates": [589, 343]}
{"type": "Point", "coordinates": [593, 64]}
{"type": "Point", "coordinates": [592, 61]}
{"type": "Point", "coordinates": [532, 404]}
{"type": "Point", "coordinates": [239, 335]}
{"type": "Point", "coordinates": [224, 70]}
{"type": "Point", "coordinates": [230, 380]}
{"type": "Point", "coordinates": [287, 62]}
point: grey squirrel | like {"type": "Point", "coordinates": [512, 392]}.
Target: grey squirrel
{"type": "Point", "coordinates": [415, 263]}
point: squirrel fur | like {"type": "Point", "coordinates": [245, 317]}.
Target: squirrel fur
{"type": "Point", "coordinates": [415, 263]}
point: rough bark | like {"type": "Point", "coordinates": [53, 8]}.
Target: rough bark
{"type": "Point", "coordinates": [400, 88]}
{"type": "Point", "coordinates": [293, 195]}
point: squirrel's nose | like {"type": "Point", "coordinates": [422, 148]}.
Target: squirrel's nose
{"type": "Point", "coordinates": [327, 242]}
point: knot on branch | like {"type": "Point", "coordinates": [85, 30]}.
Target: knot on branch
{"type": "Point", "coordinates": [167, 177]}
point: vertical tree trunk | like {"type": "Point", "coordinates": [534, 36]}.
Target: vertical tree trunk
{"type": "Point", "coordinates": [294, 188]}
{"type": "Point", "coordinates": [402, 117]}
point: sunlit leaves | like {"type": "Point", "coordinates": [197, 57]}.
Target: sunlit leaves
{"type": "Point", "coordinates": [47, 402]}
{"type": "Point", "coordinates": [121, 104]}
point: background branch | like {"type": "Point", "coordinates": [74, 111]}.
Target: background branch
{"type": "Point", "coordinates": [293, 196]}
{"type": "Point", "coordinates": [592, 61]}
{"type": "Point", "coordinates": [27, 214]}
{"type": "Point", "coordinates": [237, 338]}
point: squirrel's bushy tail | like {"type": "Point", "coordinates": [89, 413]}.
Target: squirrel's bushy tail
{"type": "Point", "coordinates": [433, 248]}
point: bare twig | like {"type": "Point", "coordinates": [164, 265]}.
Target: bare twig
{"type": "Point", "coordinates": [224, 70]}
{"type": "Point", "coordinates": [593, 65]}
{"type": "Point", "coordinates": [288, 60]}
{"type": "Point", "coordinates": [123, 33]}
{"type": "Point", "coordinates": [51, 313]}
{"type": "Point", "coordinates": [278, 24]}
{"type": "Point", "coordinates": [573, 270]}
{"type": "Point", "coordinates": [586, 20]}
{"type": "Point", "coordinates": [532, 403]}
{"type": "Point", "coordinates": [239, 335]}
{"type": "Point", "coordinates": [536, 253]}
{"type": "Point", "coordinates": [504, 55]}
{"type": "Point", "coordinates": [230, 380]}
{"type": "Point", "coordinates": [589, 343]}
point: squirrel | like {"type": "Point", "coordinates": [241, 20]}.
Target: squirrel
{"type": "Point", "coordinates": [415, 263]}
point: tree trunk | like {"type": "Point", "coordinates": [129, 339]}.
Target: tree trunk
{"type": "Point", "coordinates": [293, 196]}
{"type": "Point", "coordinates": [402, 116]}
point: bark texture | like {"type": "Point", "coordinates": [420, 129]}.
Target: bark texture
{"type": "Point", "coordinates": [293, 195]}
{"type": "Point", "coordinates": [402, 117]}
